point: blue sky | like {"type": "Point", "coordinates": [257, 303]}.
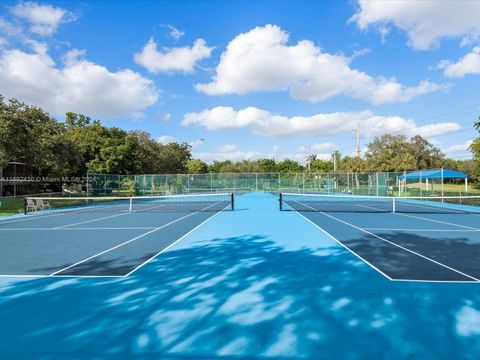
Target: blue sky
{"type": "Point", "coordinates": [253, 78]}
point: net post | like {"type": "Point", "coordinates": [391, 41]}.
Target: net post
{"type": "Point", "coordinates": [130, 204]}
{"type": "Point", "coordinates": [394, 210]}
{"type": "Point", "coordinates": [280, 201]}
{"type": "Point", "coordinates": [25, 206]}
{"type": "Point", "coordinates": [232, 201]}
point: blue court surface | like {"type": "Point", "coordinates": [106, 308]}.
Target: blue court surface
{"type": "Point", "coordinates": [253, 283]}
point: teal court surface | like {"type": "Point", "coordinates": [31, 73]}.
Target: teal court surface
{"type": "Point", "coordinates": [241, 279]}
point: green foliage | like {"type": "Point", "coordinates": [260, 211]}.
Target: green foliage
{"type": "Point", "coordinates": [215, 166]}
{"type": "Point", "coordinates": [250, 166]}
{"type": "Point", "coordinates": [196, 166]}
{"type": "Point", "coordinates": [352, 164]}
{"type": "Point", "coordinates": [173, 158]}
{"type": "Point", "coordinates": [289, 166]}
{"type": "Point", "coordinates": [28, 134]}
{"type": "Point", "coordinates": [475, 149]}
{"type": "Point", "coordinates": [397, 153]}
{"type": "Point", "coordinates": [321, 166]}
{"type": "Point", "coordinates": [267, 165]}
{"type": "Point", "coordinates": [73, 120]}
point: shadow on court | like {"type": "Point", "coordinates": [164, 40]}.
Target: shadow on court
{"type": "Point", "coordinates": [242, 298]}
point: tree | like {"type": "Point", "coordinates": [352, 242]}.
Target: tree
{"type": "Point", "coordinates": [289, 166]}
{"type": "Point", "coordinates": [173, 158]}
{"type": "Point", "coordinates": [397, 153]}
{"type": "Point", "coordinates": [426, 155]}
{"type": "Point", "coordinates": [267, 165]}
{"type": "Point", "coordinates": [215, 167]}
{"type": "Point", "coordinates": [157, 158]}
{"type": "Point", "coordinates": [352, 164]}
{"type": "Point", "coordinates": [77, 120]}
{"type": "Point", "coordinates": [247, 166]}
{"type": "Point", "coordinates": [475, 149]}
{"type": "Point", "coordinates": [29, 135]}
{"type": "Point", "coordinates": [118, 155]}
{"type": "Point", "coordinates": [321, 166]}
{"type": "Point", "coordinates": [196, 166]}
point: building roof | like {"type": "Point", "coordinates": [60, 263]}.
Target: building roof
{"type": "Point", "coordinates": [435, 174]}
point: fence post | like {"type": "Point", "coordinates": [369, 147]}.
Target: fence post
{"type": "Point", "coordinates": [442, 185]}
{"type": "Point", "coordinates": [88, 180]}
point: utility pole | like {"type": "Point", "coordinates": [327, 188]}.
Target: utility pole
{"type": "Point", "coordinates": [334, 161]}
{"type": "Point", "coordinates": [357, 144]}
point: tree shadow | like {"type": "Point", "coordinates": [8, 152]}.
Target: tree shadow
{"type": "Point", "coordinates": [236, 298]}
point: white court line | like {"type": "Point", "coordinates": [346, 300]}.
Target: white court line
{"type": "Point", "coordinates": [32, 217]}
{"type": "Point", "coordinates": [92, 220]}
{"type": "Point", "coordinates": [438, 221]}
{"type": "Point", "coordinates": [128, 241]}
{"type": "Point", "coordinates": [79, 229]}
{"type": "Point", "coordinates": [169, 246]}
{"type": "Point", "coordinates": [107, 217]}
{"type": "Point", "coordinates": [340, 243]}
{"type": "Point", "coordinates": [424, 230]}
{"type": "Point", "coordinates": [59, 276]}
{"type": "Point", "coordinates": [422, 218]}
{"type": "Point", "coordinates": [399, 246]}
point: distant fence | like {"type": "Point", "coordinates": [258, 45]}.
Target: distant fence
{"type": "Point", "coordinates": [380, 184]}
{"type": "Point", "coordinates": [376, 184]}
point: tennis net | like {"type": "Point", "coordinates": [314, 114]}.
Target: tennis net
{"type": "Point", "coordinates": [168, 203]}
{"type": "Point", "coordinates": [379, 204]}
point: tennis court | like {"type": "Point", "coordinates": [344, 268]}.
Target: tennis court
{"type": "Point", "coordinates": [100, 236]}
{"type": "Point", "coordinates": [411, 238]}
{"type": "Point", "coordinates": [154, 279]}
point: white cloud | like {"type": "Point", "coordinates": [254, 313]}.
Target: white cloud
{"type": "Point", "coordinates": [196, 143]}
{"type": "Point", "coordinates": [262, 122]}
{"type": "Point", "coordinates": [233, 153]}
{"type": "Point", "coordinates": [322, 151]}
{"type": "Point", "coordinates": [175, 33]}
{"type": "Point", "coordinates": [166, 139]}
{"type": "Point", "coordinates": [317, 148]}
{"type": "Point", "coordinates": [229, 152]}
{"type": "Point", "coordinates": [43, 19]}
{"type": "Point", "coordinates": [163, 116]}
{"type": "Point", "coordinates": [359, 53]}
{"type": "Point", "coordinates": [261, 60]}
{"type": "Point", "coordinates": [78, 86]}
{"type": "Point", "coordinates": [458, 148]}
{"type": "Point", "coordinates": [7, 28]}
{"type": "Point", "coordinates": [425, 22]}
{"type": "Point", "coordinates": [469, 64]}
{"type": "Point", "coordinates": [182, 59]}
{"type": "Point", "coordinates": [228, 148]}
